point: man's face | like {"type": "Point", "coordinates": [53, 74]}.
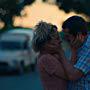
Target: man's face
{"type": "Point", "coordinates": [75, 41]}
{"type": "Point", "coordinates": [68, 37]}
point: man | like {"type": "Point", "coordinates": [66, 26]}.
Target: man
{"type": "Point", "coordinates": [78, 72]}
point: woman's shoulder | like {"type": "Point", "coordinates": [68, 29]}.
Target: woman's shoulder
{"type": "Point", "coordinates": [48, 61]}
{"type": "Point", "coordinates": [47, 56]}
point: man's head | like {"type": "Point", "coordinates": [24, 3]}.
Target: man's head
{"type": "Point", "coordinates": [44, 33]}
{"type": "Point", "coordinates": [74, 26]}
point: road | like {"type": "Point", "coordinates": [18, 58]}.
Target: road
{"type": "Point", "coordinates": [28, 81]}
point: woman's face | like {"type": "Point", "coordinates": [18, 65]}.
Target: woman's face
{"type": "Point", "coordinates": [53, 45]}
{"type": "Point", "coordinates": [55, 41]}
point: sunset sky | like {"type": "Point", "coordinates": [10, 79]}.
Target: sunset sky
{"type": "Point", "coordinates": [38, 11]}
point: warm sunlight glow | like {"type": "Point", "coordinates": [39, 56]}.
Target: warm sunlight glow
{"type": "Point", "coordinates": [2, 24]}
{"type": "Point", "coordinates": [38, 11]}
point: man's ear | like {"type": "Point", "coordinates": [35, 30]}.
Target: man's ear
{"type": "Point", "coordinates": [82, 37]}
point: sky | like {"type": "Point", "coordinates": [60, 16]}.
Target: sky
{"type": "Point", "coordinates": [40, 11]}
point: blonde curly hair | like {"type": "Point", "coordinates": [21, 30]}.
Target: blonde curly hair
{"type": "Point", "coordinates": [42, 33]}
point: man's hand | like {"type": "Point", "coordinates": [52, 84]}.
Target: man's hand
{"type": "Point", "coordinates": [77, 42]}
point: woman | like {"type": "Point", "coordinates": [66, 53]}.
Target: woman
{"type": "Point", "coordinates": [47, 42]}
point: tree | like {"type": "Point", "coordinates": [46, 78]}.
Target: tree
{"type": "Point", "coordinates": [28, 2]}
{"type": "Point", "coordinates": [80, 6]}
{"type": "Point", "coordinates": [9, 8]}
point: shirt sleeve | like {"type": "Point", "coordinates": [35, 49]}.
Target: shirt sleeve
{"type": "Point", "coordinates": [83, 61]}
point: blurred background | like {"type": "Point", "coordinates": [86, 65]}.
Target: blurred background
{"type": "Point", "coordinates": [26, 13]}
{"type": "Point", "coordinates": [19, 17]}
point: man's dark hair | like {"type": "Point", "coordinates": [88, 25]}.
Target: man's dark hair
{"type": "Point", "coordinates": [75, 24]}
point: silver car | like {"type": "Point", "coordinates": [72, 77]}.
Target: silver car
{"type": "Point", "coordinates": [16, 51]}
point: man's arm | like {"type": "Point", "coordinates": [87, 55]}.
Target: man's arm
{"type": "Point", "coordinates": [73, 72]}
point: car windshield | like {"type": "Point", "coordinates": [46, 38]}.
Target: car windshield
{"type": "Point", "coordinates": [12, 45]}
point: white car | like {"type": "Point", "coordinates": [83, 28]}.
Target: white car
{"type": "Point", "coordinates": [16, 51]}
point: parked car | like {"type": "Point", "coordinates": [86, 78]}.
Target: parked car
{"type": "Point", "coordinates": [16, 51]}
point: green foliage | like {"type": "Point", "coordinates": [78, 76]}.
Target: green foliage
{"type": "Point", "coordinates": [80, 6]}
{"type": "Point", "coordinates": [9, 8]}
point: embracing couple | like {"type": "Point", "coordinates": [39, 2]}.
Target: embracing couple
{"type": "Point", "coordinates": [56, 71]}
